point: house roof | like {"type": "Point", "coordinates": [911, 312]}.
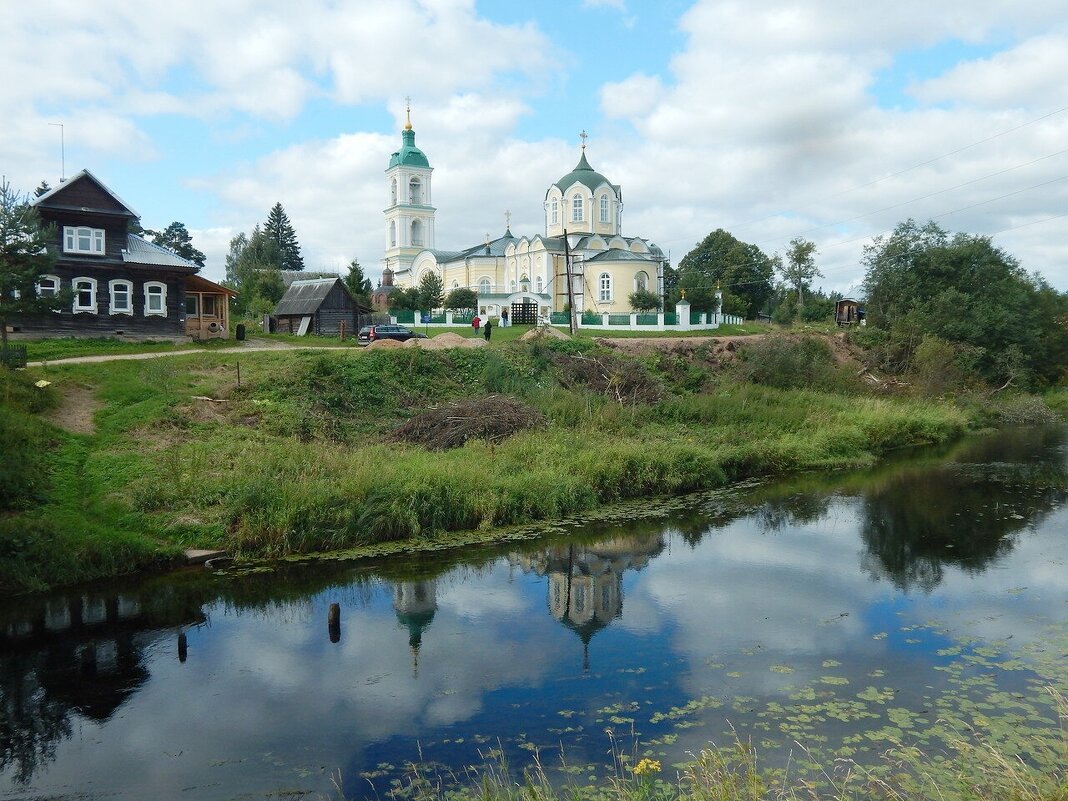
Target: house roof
{"type": "Point", "coordinates": [305, 297]}
{"type": "Point", "coordinates": [196, 283]}
{"type": "Point", "coordinates": [49, 197]}
{"type": "Point", "coordinates": [141, 251]}
{"type": "Point", "coordinates": [617, 254]}
{"type": "Point", "coordinates": [289, 276]}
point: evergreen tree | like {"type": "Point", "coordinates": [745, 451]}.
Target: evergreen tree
{"type": "Point", "coordinates": [24, 258]}
{"type": "Point", "coordinates": [279, 229]}
{"type": "Point", "coordinates": [431, 291]}
{"type": "Point", "coordinates": [176, 238]}
{"type": "Point", "coordinates": [359, 286]}
{"type": "Point", "coordinates": [42, 188]}
{"type": "Point", "coordinates": [252, 269]}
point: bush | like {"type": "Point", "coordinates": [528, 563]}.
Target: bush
{"type": "Point", "coordinates": [787, 363]}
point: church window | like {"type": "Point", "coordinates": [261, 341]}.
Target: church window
{"type": "Point", "coordinates": [417, 232]}
{"type": "Point", "coordinates": [455, 284]}
{"type": "Point", "coordinates": [576, 208]}
{"type": "Point", "coordinates": [393, 193]}
{"type": "Point", "coordinates": [539, 285]}
{"type": "Point", "coordinates": [513, 286]}
{"type": "Point", "coordinates": [641, 281]}
{"type": "Point", "coordinates": [415, 192]}
{"type": "Point", "coordinates": [555, 212]}
{"type": "Point", "coordinates": [604, 208]}
{"type": "Point", "coordinates": [393, 233]}
{"type": "Point", "coordinates": [484, 286]}
{"type": "Point", "coordinates": [604, 284]}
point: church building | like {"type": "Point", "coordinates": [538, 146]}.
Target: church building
{"type": "Point", "coordinates": [527, 275]}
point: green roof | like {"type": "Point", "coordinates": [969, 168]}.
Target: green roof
{"type": "Point", "coordinates": [409, 155]}
{"type": "Point", "coordinates": [584, 174]}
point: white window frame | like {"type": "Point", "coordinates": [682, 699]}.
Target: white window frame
{"type": "Point", "coordinates": [73, 234]}
{"type": "Point", "coordinates": [89, 308]}
{"type": "Point", "coordinates": [393, 193]}
{"type": "Point", "coordinates": [162, 295]}
{"type": "Point", "coordinates": [393, 233]}
{"type": "Point", "coordinates": [640, 284]}
{"type": "Point", "coordinates": [577, 208]}
{"type": "Point", "coordinates": [604, 288]}
{"type": "Point", "coordinates": [485, 286]}
{"type": "Point", "coordinates": [555, 212]}
{"type": "Point", "coordinates": [539, 285]}
{"type": "Point", "coordinates": [416, 233]}
{"type": "Point", "coordinates": [54, 288]}
{"type": "Point", "coordinates": [415, 192]}
{"type": "Point", "coordinates": [604, 209]}
{"type": "Point", "coordinates": [112, 307]}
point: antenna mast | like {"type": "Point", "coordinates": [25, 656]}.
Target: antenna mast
{"type": "Point", "coordinates": [62, 152]}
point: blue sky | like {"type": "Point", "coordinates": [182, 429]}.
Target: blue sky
{"type": "Point", "coordinates": [772, 119]}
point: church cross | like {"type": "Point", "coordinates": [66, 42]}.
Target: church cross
{"type": "Point", "coordinates": [507, 219]}
{"type": "Point", "coordinates": [583, 136]}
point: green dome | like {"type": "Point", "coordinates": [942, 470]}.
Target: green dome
{"type": "Point", "coordinates": [409, 155]}
{"type": "Point", "coordinates": [584, 174]}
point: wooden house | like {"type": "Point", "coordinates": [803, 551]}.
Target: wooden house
{"type": "Point", "coordinates": [117, 282]}
{"type": "Point", "coordinates": [849, 311]}
{"type": "Point", "coordinates": [207, 308]}
{"type": "Point", "coordinates": [318, 306]}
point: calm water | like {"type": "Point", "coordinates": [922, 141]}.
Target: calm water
{"type": "Point", "coordinates": [844, 613]}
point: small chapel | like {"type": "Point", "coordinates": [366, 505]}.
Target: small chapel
{"type": "Point", "coordinates": [525, 275]}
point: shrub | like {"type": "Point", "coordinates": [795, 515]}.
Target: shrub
{"type": "Point", "coordinates": [787, 363]}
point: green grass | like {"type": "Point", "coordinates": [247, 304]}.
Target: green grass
{"type": "Point", "coordinates": [40, 350]}
{"type": "Point", "coordinates": [295, 458]}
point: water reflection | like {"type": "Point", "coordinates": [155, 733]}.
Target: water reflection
{"type": "Point", "coordinates": [454, 649]}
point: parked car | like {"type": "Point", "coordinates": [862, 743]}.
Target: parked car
{"type": "Point", "coordinates": [372, 333]}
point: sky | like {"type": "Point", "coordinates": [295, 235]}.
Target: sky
{"type": "Point", "coordinates": [826, 119]}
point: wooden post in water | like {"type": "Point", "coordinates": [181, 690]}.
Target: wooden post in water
{"type": "Point", "coordinates": [183, 647]}
{"type": "Point", "coordinates": [333, 622]}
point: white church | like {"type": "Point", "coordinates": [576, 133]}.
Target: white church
{"type": "Point", "coordinates": [526, 275]}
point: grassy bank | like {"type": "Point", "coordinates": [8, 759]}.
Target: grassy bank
{"type": "Point", "coordinates": [300, 455]}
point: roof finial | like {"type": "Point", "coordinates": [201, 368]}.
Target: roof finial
{"type": "Point", "coordinates": [408, 112]}
{"type": "Point", "coordinates": [507, 220]}
{"type": "Point", "coordinates": [583, 137]}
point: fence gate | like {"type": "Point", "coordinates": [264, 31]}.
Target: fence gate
{"type": "Point", "coordinates": [525, 313]}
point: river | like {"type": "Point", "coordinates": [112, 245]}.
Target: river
{"type": "Point", "coordinates": [821, 619]}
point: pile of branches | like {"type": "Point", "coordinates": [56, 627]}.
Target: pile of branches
{"type": "Point", "coordinates": [491, 419]}
{"type": "Point", "coordinates": [626, 381]}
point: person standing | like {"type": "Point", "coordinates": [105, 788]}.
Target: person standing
{"type": "Point", "coordinates": [475, 322]}
{"type": "Point", "coordinates": [504, 318]}
{"type": "Point", "coordinates": [486, 330]}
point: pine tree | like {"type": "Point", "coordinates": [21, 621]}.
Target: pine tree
{"type": "Point", "coordinates": [24, 258]}
{"type": "Point", "coordinates": [176, 238]}
{"type": "Point", "coordinates": [281, 231]}
{"type": "Point", "coordinates": [358, 285]}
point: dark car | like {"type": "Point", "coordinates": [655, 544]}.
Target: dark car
{"type": "Point", "coordinates": [372, 333]}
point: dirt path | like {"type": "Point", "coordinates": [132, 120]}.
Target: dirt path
{"type": "Point", "coordinates": [76, 410]}
{"type": "Point", "coordinates": [118, 357]}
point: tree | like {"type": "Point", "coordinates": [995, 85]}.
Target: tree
{"type": "Point", "coordinates": [280, 230]}
{"type": "Point", "coordinates": [743, 271]}
{"type": "Point", "coordinates": [431, 291]}
{"type": "Point", "coordinates": [644, 301]}
{"type": "Point", "coordinates": [24, 258]}
{"type": "Point", "coordinates": [176, 238]}
{"type": "Point", "coordinates": [800, 267]}
{"type": "Point", "coordinates": [462, 299]}
{"type": "Point", "coordinates": [359, 286]}
{"type": "Point", "coordinates": [405, 299]}
{"type": "Point", "coordinates": [920, 281]}
{"type": "Point", "coordinates": [252, 269]}
{"type": "Point", "coordinates": [42, 188]}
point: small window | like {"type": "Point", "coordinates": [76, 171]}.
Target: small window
{"type": "Point", "coordinates": [555, 212]}
{"type": "Point", "coordinates": [539, 285]}
{"type": "Point", "coordinates": [392, 233]}
{"type": "Point", "coordinates": [604, 208]}
{"type": "Point", "coordinates": [455, 284]}
{"type": "Point", "coordinates": [417, 232]}
{"type": "Point", "coordinates": [393, 193]}
{"type": "Point", "coordinates": [80, 239]}
{"type": "Point", "coordinates": [84, 295]}
{"type": "Point", "coordinates": [192, 306]}
{"type": "Point", "coordinates": [155, 299]}
{"type": "Point", "coordinates": [604, 284]}
{"type": "Point", "coordinates": [121, 297]}
{"type": "Point", "coordinates": [576, 208]}
{"type": "Point", "coordinates": [208, 306]}
{"type": "Point", "coordinates": [415, 192]}
{"type": "Point", "coordinates": [484, 286]}
{"type": "Point", "coordinates": [48, 286]}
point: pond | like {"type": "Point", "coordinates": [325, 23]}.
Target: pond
{"type": "Point", "coordinates": [824, 618]}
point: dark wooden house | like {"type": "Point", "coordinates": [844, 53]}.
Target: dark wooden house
{"type": "Point", "coordinates": [318, 306]}
{"type": "Point", "coordinates": [117, 282]}
{"type": "Point", "coordinates": [849, 311]}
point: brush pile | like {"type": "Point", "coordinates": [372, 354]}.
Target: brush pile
{"type": "Point", "coordinates": [490, 419]}
{"type": "Point", "coordinates": [626, 381]}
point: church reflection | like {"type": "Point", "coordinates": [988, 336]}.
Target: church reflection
{"type": "Point", "coordinates": [585, 581]}
{"type": "Point", "coordinates": [415, 603]}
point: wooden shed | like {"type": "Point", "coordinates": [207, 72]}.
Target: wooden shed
{"type": "Point", "coordinates": [207, 308]}
{"type": "Point", "coordinates": [318, 306]}
{"type": "Point", "coordinates": [849, 311]}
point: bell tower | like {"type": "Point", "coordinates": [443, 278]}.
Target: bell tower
{"type": "Point", "coordinates": [409, 215]}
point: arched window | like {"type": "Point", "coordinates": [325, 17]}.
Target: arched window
{"type": "Point", "coordinates": [484, 286]}
{"type": "Point", "coordinates": [576, 208]}
{"type": "Point", "coordinates": [455, 284]}
{"type": "Point", "coordinates": [393, 233]}
{"type": "Point", "coordinates": [555, 212]}
{"type": "Point", "coordinates": [121, 297]}
{"type": "Point", "coordinates": [604, 288]}
{"type": "Point", "coordinates": [155, 299]}
{"type": "Point", "coordinates": [604, 208]}
{"type": "Point", "coordinates": [513, 286]}
{"type": "Point", "coordinates": [393, 193]}
{"type": "Point", "coordinates": [84, 295]}
{"type": "Point", "coordinates": [641, 281]}
{"type": "Point", "coordinates": [539, 285]}
{"type": "Point", "coordinates": [48, 286]}
{"type": "Point", "coordinates": [415, 192]}
{"type": "Point", "coordinates": [417, 232]}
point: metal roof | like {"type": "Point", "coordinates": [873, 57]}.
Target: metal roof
{"type": "Point", "coordinates": [305, 297]}
{"type": "Point", "coordinates": [141, 251]}
{"type": "Point", "coordinates": [616, 254]}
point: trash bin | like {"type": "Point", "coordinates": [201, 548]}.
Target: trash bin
{"type": "Point", "coordinates": [240, 332]}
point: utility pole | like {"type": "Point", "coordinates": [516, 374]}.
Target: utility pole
{"type": "Point", "coordinates": [573, 319]}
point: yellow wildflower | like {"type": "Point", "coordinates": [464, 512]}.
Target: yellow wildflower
{"type": "Point", "coordinates": [645, 766]}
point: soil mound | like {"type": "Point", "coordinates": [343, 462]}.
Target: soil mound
{"type": "Point", "coordinates": [546, 331]}
{"type": "Point", "coordinates": [386, 343]}
{"type": "Point", "coordinates": [450, 425]}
